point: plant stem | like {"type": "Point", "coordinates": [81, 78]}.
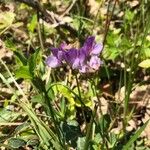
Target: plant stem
{"type": "Point", "coordinates": [108, 19]}
{"type": "Point", "coordinates": [79, 91]}
{"type": "Point", "coordinates": [89, 131]}
{"type": "Point", "coordinates": [97, 96]}
{"type": "Point", "coordinates": [39, 32]}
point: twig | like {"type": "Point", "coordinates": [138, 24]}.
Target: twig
{"type": "Point", "coordinates": [69, 8]}
{"type": "Point", "coordinates": [108, 19]}
{"type": "Point", "coordinates": [11, 123]}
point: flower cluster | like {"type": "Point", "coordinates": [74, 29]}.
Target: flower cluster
{"type": "Point", "coordinates": [84, 59]}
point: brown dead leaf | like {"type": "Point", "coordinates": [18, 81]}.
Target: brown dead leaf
{"type": "Point", "coordinates": [7, 7]}
{"type": "Point", "coordinates": [3, 51]}
{"type": "Point", "coordinates": [133, 3]}
{"type": "Point", "coordinates": [93, 6]}
{"type": "Point", "coordinates": [140, 97]}
{"type": "Point", "coordinates": [138, 94]}
{"type": "Point", "coordinates": [146, 132]}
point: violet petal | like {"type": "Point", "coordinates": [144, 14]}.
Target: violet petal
{"type": "Point", "coordinates": [94, 62]}
{"type": "Point", "coordinates": [82, 55]}
{"type": "Point", "coordinates": [60, 55]}
{"type": "Point", "coordinates": [96, 49]}
{"type": "Point", "coordinates": [63, 45]}
{"type": "Point", "coordinates": [54, 51]}
{"type": "Point", "coordinates": [52, 62]}
{"type": "Point", "coordinates": [89, 42]}
{"type": "Point", "coordinates": [76, 63]}
{"type": "Point", "coordinates": [70, 56]}
{"type": "Point", "coordinates": [84, 69]}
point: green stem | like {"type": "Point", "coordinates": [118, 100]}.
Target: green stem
{"type": "Point", "coordinates": [78, 86]}
{"type": "Point", "coordinates": [39, 33]}
{"type": "Point", "coordinates": [79, 91]}
{"type": "Point", "coordinates": [108, 19]}
{"type": "Point", "coordinates": [89, 131]}
{"type": "Point", "coordinates": [96, 94]}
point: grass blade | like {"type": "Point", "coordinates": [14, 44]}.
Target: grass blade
{"type": "Point", "coordinates": [135, 136]}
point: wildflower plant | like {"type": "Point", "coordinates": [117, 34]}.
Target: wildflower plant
{"type": "Point", "coordinates": [85, 59]}
{"type": "Point", "coordinates": [61, 108]}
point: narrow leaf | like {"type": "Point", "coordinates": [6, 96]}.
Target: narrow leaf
{"type": "Point", "coordinates": [33, 60]}
{"type": "Point", "coordinates": [135, 136]}
{"type": "Point", "coordinates": [21, 58]}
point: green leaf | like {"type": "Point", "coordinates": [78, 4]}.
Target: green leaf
{"type": "Point", "coordinates": [110, 53]}
{"type": "Point", "coordinates": [145, 63]}
{"type": "Point", "coordinates": [16, 142]}
{"type": "Point", "coordinates": [10, 44]}
{"type": "Point", "coordinates": [135, 136]}
{"type": "Point", "coordinates": [33, 60]}
{"type": "Point", "coordinates": [129, 15]}
{"type": "Point", "coordinates": [80, 143]}
{"type": "Point", "coordinates": [46, 135]}
{"type": "Point", "coordinates": [21, 57]}
{"type": "Point", "coordinates": [32, 25]}
{"type": "Point", "coordinates": [71, 132]}
{"type": "Point", "coordinates": [147, 52]}
{"type": "Point", "coordinates": [33, 142]}
{"type": "Point", "coordinates": [22, 127]}
{"type": "Point", "coordinates": [113, 40]}
{"type": "Point", "coordinates": [7, 116]}
{"type": "Point", "coordinates": [23, 72]}
{"type": "Point", "coordinates": [104, 123]}
{"type": "Point", "coordinates": [65, 92]}
{"type": "Point", "coordinates": [112, 140]}
{"type": "Point", "coordinates": [38, 99]}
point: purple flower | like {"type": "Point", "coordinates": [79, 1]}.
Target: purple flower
{"type": "Point", "coordinates": [75, 58]}
{"type": "Point", "coordinates": [58, 55]}
{"type": "Point", "coordinates": [56, 59]}
{"type": "Point", "coordinates": [71, 56]}
{"type": "Point", "coordinates": [94, 62]}
{"type": "Point", "coordinates": [91, 65]}
{"type": "Point", "coordinates": [84, 59]}
{"type": "Point", "coordinates": [90, 52]}
{"type": "Point", "coordinates": [91, 47]}
{"type": "Point", "coordinates": [52, 62]}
